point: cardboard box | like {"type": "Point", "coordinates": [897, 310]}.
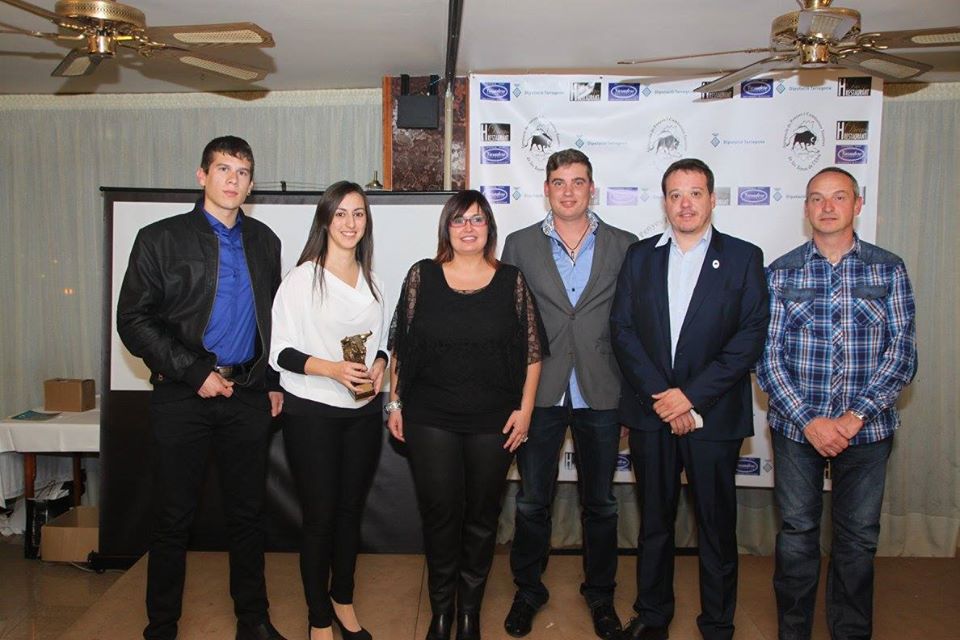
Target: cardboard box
{"type": "Point", "coordinates": [72, 536]}
{"type": "Point", "coordinates": [68, 394]}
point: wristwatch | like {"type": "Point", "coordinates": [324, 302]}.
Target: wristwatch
{"type": "Point", "coordinates": [857, 414]}
{"type": "Point", "coordinates": [393, 405]}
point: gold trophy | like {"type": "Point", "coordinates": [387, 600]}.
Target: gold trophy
{"type": "Point", "coordinates": [354, 350]}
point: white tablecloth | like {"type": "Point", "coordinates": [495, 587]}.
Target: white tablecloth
{"type": "Point", "coordinates": [67, 433]}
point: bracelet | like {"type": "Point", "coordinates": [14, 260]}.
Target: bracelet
{"type": "Point", "coordinates": [393, 405]}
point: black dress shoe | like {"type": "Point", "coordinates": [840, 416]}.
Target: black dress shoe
{"type": "Point", "coordinates": [262, 631]}
{"type": "Point", "coordinates": [606, 622]}
{"type": "Point", "coordinates": [636, 630]}
{"type": "Point", "coordinates": [440, 626]}
{"type": "Point", "coordinates": [468, 625]}
{"type": "Point", "coordinates": [519, 621]}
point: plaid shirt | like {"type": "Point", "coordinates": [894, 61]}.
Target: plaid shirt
{"type": "Point", "coordinates": [841, 338]}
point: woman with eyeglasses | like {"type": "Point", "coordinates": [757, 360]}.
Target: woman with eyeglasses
{"type": "Point", "coordinates": [333, 417]}
{"type": "Point", "coordinates": [467, 343]}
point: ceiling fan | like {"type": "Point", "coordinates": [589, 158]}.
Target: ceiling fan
{"type": "Point", "coordinates": [819, 35]}
{"type": "Point", "coordinates": [102, 26]}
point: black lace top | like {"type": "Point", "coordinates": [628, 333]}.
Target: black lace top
{"type": "Point", "coordinates": [462, 356]}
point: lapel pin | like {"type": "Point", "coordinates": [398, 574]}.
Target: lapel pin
{"type": "Point", "coordinates": [716, 264]}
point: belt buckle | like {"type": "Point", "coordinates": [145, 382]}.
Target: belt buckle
{"type": "Point", "coordinates": [226, 371]}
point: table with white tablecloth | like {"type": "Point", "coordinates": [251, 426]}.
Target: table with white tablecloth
{"type": "Point", "coordinates": [36, 456]}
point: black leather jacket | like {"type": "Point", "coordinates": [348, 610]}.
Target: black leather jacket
{"type": "Point", "coordinates": [167, 296]}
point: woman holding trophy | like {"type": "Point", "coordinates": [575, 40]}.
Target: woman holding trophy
{"type": "Point", "coordinates": [328, 342]}
{"type": "Point", "coordinates": [467, 342]}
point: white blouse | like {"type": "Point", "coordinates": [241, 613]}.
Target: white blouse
{"type": "Point", "coordinates": [314, 323]}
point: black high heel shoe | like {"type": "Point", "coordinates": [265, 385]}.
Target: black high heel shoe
{"type": "Point", "coordinates": [440, 626]}
{"type": "Point", "coordinates": [310, 628]}
{"type": "Point", "coordinates": [363, 634]}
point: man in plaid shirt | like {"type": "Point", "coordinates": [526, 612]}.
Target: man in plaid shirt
{"type": "Point", "coordinates": [841, 347]}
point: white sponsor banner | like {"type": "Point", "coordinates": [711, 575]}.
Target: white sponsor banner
{"type": "Point", "coordinates": [764, 140]}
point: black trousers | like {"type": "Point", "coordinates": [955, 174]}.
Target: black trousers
{"type": "Point", "coordinates": [237, 431]}
{"type": "Point", "coordinates": [658, 459]}
{"type": "Point", "coordinates": [332, 461]}
{"type": "Point", "coordinates": [459, 480]}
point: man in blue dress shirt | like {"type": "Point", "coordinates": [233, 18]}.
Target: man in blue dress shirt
{"type": "Point", "coordinates": [841, 347]}
{"type": "Point", "coordinates": [195, 305]}
{"type": "Point", "coordinates": [570, 261]}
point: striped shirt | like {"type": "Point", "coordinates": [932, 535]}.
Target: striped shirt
{"type": "Point", "coordinates": [842, 337]}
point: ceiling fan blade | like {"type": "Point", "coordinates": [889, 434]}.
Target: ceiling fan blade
{"type": "Point", "coordinates": [832, 24]}
{"type": "Point", "coordinates": [749, 71]}
{"type": "Point", "coordinates": [882, 65]}
{"type": "Point", "coordinates": [695, 55]}
{"type": "Point", "coordinates": [913, 38]}
{"type": "Point", "coordinates": [206, 62]}
{"type": "Point", "coordinates": [211, 35]}
{"type": "Point", "coordinates": [15, 30]}
{"type": "Point", "coordinates": [76, 63]}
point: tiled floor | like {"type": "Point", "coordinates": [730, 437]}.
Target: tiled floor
{"type": "Point", "coordinates": [43, 599]}
{"type": "Point", "coordinates": [916, 598]}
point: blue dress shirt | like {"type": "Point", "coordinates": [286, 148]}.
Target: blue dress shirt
{"type": "Point", "coordinates": [232, 329]}
{"type": "Point", "coordinates": [575, 274]}
{"type": "Point", "coordinates": [683, 272]}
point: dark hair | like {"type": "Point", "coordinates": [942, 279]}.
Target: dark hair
{"type": "Point", "coordinates": [315, 250]}
{"type": "Point", "coordinates": [458, 205]}
{"type": "Point", "coordinates": [229, 145]}
{"type": "Point", "coordinates": [853, 181]}
{"type": "Point", "coordinates": [568, 157]}
{"type": "Point", "coordinates": [692, 165]}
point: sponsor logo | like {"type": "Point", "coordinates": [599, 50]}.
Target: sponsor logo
{"type": "Point", "coordinates": [803, 140]}
{"type": "Point", "coordinates": [753, 196]}
{"type": "Point", "coordinates": [723, 196]}
{"type": "Point", "coordinates": [854, 86]}
{"type": "Point", "coordinates": [716, 141]}
{"type": "Point", "coordinates": [623, 462]}
{"type": "Point", "coordinates": [495, 131]}
{"type": "Point", "coordinates": [496, 193]}
{"type": "Point", "coordinates": [498, 91]}
{"type": "Point", "coordinates": [623, 196]}
{"type": "Point", "coordinates": [756, 89]}
{"type": "Point", "coordinates": [584, 92]}
{"type": "Point", "coordinates": [623, 91]}
{"type": "Point", "coordinates": [495, 154]}
{"type": "Point", "coordinates": [851, 154]}
{"type": "Point", "coordinates": [748, 467]}
{"type": "Point", "coordinates": [853, 129]}
{"type": "Point", "coordinates": [715, 95]}
{"type": "Point", "coordinates": [539, 140]}
{"type": "Point", "coordinates": [667, 140]}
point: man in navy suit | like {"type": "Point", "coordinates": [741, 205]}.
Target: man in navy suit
{"type": "Point", "coordinates": [689, 320]}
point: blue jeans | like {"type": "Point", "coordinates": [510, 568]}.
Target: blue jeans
{"type": "Point", "coordinates": [596, 438]}
{"type": "Point", "coordinates": [858, 476]}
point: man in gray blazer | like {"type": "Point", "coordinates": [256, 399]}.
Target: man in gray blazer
{"type": "Point", "coordinates": [570, 260]}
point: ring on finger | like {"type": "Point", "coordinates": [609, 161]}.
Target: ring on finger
{"type": "Point", "coordinates": [524, 439]}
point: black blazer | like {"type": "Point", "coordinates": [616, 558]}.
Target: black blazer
{"type": "Point", "coordinates": [722, 336]}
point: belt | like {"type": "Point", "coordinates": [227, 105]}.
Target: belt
{"type": "Point", "coordinates": [231, 371]}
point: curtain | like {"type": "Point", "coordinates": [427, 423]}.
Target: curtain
{"type": "Point", "coordinates": [56, 151]}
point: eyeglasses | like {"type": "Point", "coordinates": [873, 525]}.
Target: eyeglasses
{"type": "Point", "coordinates": [477, 220]}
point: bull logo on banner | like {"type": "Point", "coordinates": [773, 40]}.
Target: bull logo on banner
{"type": "Point", "coordinates": [803, 141]}
{"type": "Point", "coordinates": [667, 141]}
{"type": "Point", "coordinates": [540, 139]}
